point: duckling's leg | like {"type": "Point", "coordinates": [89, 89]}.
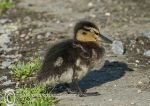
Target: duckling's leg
{"type": "Point", "coordinates": [77, 88]}
{"type": "Point", "coordinates": [75, 84]}
{"type": "Point", "coordinates": [73, 88]}
{"type": "Point", "coordinates": [82, 93]}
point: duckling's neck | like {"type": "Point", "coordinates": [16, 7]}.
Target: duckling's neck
{"type": "Point", "coordinates": [92, 50]}
{"type": "Point", "coordinates": [87, 46]}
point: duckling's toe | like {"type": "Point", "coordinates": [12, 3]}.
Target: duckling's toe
{"type": "Point", "coordinates": [71, 90]}
{"type": "Point", "coordinates": [89, 94]}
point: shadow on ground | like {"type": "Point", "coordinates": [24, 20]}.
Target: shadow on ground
{"type": "Point", "coordinates": [109, 72]}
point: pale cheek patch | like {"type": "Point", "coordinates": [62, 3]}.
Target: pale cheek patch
{"type": "Point", "coordinates": [58, 62]}
{"type": "Point", "coordinates": [90, 37]}
{"type": "Point", "coordinates": [86, 38]}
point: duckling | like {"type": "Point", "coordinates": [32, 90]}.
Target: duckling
{"type": "Point", "coordinates": [70, 60]}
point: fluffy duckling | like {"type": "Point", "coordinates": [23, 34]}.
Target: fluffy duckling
{"type": "Point", "coordinates": [69, 61]}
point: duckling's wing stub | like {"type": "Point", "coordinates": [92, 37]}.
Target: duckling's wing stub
{"type": "Point", "coordinates": [57, 59]}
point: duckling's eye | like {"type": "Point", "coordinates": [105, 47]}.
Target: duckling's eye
{"type": "Point", "coordinates": [96, 33]}
{"type": "Point", "coordinates": [84, 33]}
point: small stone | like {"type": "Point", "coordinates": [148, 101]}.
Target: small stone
{"type": "Point", "coordinates": [3, 78]}
{"type": "Point", "coordinates": [110, 100]}
{"type": "Point", "coordinates": [90, 4]}
{"type": "Point", "coordinates": [17, 32]}
{"type": "Point", "coordinates": [27, 37]}
{"type": "Point", "coordinates": [58, 21]}
{"type": "Point", "coordinates": [115, 85]}
{"type": "Point", "coordinates": [17, 84]}
{"type": "Point", "coordinates": [92, 15]}
{"type": "Point", "coordinates": [2, 30]}
{"type": "Point", "coordinates": [11, 27]}
{"type": "Point", "coordinates": [137, 61]}
{"type": "Point", "coordinates": [132, 103]}
{"type": "Point", "coordinates": [9, 49]}
{"type": "Point", "coordinates": [48, 34]}
{"type": "Point", "coordinates": [141, 42]}
{"type": "Point", "coordinates": [140, 82]}
{"type": "Point", "coordinates": [3, 21]}
{"type": "Point", "coordinates": [8, 83]}
{"type": "Point", "coordinates": [11, 66]}
{"type": "Point", "coordinates": [138, 50]}
{"type": "Point", "coordinates": [27, 42]}
{"type": "Point", "coordinates": [6, 63]}
{"type": "Point", "coordinates": [4, 39]}
{"type": "Point", "coordinates": [107, 14]}
{"type": "Point", "coordinates": [147, 53]}
{"type": "Point", "coordinates": [39, 37]}
{"type": "Point", "coordinates": [22, 35]}
{"type": "Point", "coordinates": [133, 46]}
{"type": "Point", "coordinates": [136, 64]}
{"type": "Point", "coordinates": [27, 19]}
{"type": "Point", "coordinates": [146, 33]}
{"type": "Point", "coordinates": [15, 60]}
{"type": "Point", "coordinates": [139, 91]}
{"type": "Point", "coordinates": [117, 47]}
{"type": "Point", "coordinates": [71, 25]}
{"type": "Point", "coordinates": [18, 55]}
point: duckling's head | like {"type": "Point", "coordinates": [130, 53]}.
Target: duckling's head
{"type": "Point", "coordinates": [86, 31]}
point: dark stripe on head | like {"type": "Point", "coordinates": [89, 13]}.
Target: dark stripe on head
{"type": "Point", "coordinates": [82, 25]}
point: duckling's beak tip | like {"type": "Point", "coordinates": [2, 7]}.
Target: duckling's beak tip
{"type": "Point", "coordinates": [106, 39]}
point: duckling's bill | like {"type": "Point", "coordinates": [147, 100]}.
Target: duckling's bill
{"type": "Point", "coordinates": [105, 39]}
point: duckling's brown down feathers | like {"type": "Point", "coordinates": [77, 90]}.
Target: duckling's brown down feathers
{"type": "Point", "coordinates": [69, 59]}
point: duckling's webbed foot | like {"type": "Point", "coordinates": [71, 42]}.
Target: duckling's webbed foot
{"type": "Point", "coordinates": [74, 88]}
{"type": "Point", "coordinates": [92, 94]}
{"type": "Point", "coordinates": [78, 89]}
{"type": "Point", "coordinates": [83, 93]}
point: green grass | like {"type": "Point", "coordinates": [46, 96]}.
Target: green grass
{"type": "Point", "coordinates": [6, 4]}
{"type": "Point", "coordinates": [29, 96]}
{"type": "Point", "coordinates": [22, 70]}
{"type": "Point", "coordinates": [36, 96]}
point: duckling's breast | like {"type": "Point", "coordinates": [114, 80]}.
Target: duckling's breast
{"type": "Point", "coordinates": [92, 55]}
{"type": "Point", "coordinates": [98, 59]}
{"type": "Point", "coordinates": [81, 69]}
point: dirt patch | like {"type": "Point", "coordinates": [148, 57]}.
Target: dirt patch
{"type": "Point", "coordinates": [136, 48]}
